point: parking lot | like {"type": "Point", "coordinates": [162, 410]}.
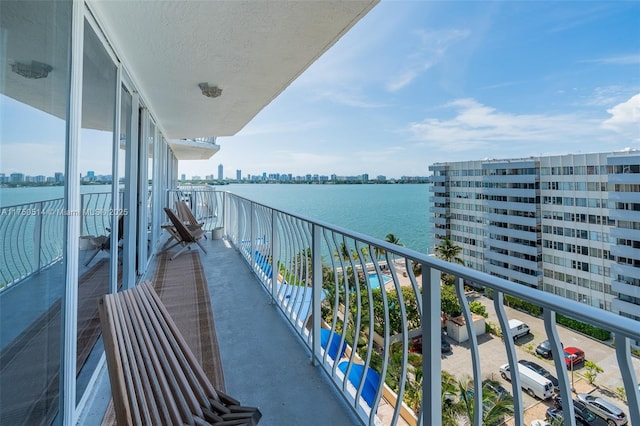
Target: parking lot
{"type": "Point", "coordinates": [493, 355]}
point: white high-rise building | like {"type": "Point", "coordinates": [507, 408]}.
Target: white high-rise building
{"type": "Point", "coordinates": [568, 224]}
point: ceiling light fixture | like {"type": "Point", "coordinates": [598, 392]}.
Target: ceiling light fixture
{"type": "Point", "coordinates": [210, 91]}
{"type": "Point", "coordinates": [33, 70]}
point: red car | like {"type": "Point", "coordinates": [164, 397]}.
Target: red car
{"type": "Point", "coordinates": [573, 356]}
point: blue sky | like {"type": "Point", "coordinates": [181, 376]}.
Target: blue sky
{"type": "Point", "coordinates": [418, 82]}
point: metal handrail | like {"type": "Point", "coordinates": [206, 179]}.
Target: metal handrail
{"type": "Point", "coordinates": [290, 254]}
{"type": "Point", "coordinates": [33, 233]}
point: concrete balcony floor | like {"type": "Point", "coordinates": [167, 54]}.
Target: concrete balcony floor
{"type": "Point", "coordinates": [264, 363]}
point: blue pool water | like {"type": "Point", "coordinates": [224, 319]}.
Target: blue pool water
{"type": "Point", "coordinates": [374, 283]}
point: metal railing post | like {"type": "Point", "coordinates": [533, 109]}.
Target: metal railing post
{"type": "Point", "coordinates": [431, 323]}
{"type": "Point", "coordinates": [252, 236]}
{"type": "Point", "coordinates": [37, 237]}
{"type": "Point", "coordinates": [623, 356]}
{"type": "Point", "coordinates": [316, 263]}
{"type": "Point", "coordinates": [473, 346]}
{"type": "Point", "coordinates": [275, 251]}
{"type": "Point", "coordinates": [518, 403]}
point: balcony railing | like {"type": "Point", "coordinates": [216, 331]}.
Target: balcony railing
{"type": "Point", "coordinates": [354, 300]}
{"type": "Point", "coordinates": [33, 233]}
{"type": "Point", "coordinates": [31, 239]}
{"type": "Point", "coordinates": [205, 203]}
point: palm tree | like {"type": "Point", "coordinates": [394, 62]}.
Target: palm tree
{"type": "Point", "coordinates": [390, 238]}
{"type": "Point", "coordinates": [494, 406]}
{"type": "Point", "coordinates": [448, 251]}
{"type": "Point", "coordinates": [343, 253]}
{"type": "Point", "coordinates": [450, 408]}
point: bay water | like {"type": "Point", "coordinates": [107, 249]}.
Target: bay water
{"type": "Point", "coordinates": [372, 209]}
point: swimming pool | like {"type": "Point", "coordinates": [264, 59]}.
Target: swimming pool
{"type": "Point", "coordinates": [374, 283]}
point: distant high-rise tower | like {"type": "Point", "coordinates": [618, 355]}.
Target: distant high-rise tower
{"type": "Point", "coordinates": [220, 172]}
{"type": "Point", "coordinates": [238, 174]}
{"type": "Point", "coordinates": [183, 177]}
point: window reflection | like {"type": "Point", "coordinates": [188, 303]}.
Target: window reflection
{"type": "Point", "coordinates": [97, 221]}
{"type": "Point", "coordinates": [150, 150]}
{"type": "Point", "coordinates": [34, 36]}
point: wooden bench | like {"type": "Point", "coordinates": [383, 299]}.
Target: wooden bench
{"type": "Point", "coordinates": [155, 378]}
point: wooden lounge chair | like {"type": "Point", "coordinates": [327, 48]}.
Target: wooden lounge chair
{"type": "Point", "coordinates": [155, 377]}
{"type": "Point", "coordinates": [187, 217]}
{"type": "Point", "coordinates": [183, 235]}
{"type": "Point", "coordinates": [103, 242]}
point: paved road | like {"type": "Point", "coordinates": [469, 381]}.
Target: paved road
{"type": "Point", "coordinates": [493, 354]}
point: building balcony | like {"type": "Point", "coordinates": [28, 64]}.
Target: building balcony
{"type": "Point", "coordinates": [625, 251]}
{"type": "Point", "coordinates": [628, 215]}
{"type": "Point", "coordinates": [625, 197]}
{"type": "Point", "coordinates": [194, 149]}
{"type": "Point", "coordinates": [510, 178]}
{"type": "Point", "coordinates": [510, 219]}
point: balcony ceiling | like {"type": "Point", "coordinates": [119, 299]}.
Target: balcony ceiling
{"type": "Point", "coordinates": [252, 50]}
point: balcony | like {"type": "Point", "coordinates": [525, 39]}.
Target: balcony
{"type": "Point", "coordinates": [269, 324]}
{"type": "Point", "coordinates": [194, 149]}
{"type": "Point", "coordinates": [308, 251]}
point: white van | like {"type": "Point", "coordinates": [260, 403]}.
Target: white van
{"type": "Point", "coordinates": [533, 383]}
{"type": "Point", "coordinates": [517, 329]}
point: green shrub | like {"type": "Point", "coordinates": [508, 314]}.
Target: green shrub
{"type": "Point", "coordinates": [449, 301]}
{"type": "Point", "coordinates": [522, 305]}
{"type": "Point", "coordinates": [593, 370]}
{"type": "Point", "coordinates": [478, 308]}
{"type": "Point", "coordinates": [584, 328]}
{"type": "Point", "coordinates": [492, 328]}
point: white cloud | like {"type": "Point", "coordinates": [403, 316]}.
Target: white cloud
{"type": "Point", "coordinates": [608, 95]}
{"type": "Point", "coordinates": [349, 99]}
{"type": "Point", "coordinates": [481, 130]}
{"type": "Point", "coordinates": [262, 128]}
{"type": "Point", "coordinates": [617, 60]}
{"type": "Point", "coordinates": [433, 45]}
{"type": "Point", "coordinates": [625, 119]}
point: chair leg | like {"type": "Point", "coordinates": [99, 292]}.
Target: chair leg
{"type": "Point", "coordinates": [165, 248]}
{"type": "Point", "coordinates": [200, 245]}
{"type": "Point", "coordinates": [179, 252]}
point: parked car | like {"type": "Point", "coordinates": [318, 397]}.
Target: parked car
{"type": "Point", "coordinates": [544, 350]}
{"type": "Point", "coordinates": [496, 387]}
{"type": "Point", "coordinates": [584, 416]}
{"type": "Point", "coordinates": [554, 416]}
{"type": "Point", "coordinates": [541, 371]}
{"type": "Point", "coordinates": [518, 329]}
{"type": "Point", "coordinates": [573, 356]}
{"type": "Point", "coordinates": [445, 347]}
{"type": "Point", "coordinates": [603, 408]}
{"type": "Point", "coordinates": [416, 345]}
{"type": "Point", "coordinates": [530, 381]}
